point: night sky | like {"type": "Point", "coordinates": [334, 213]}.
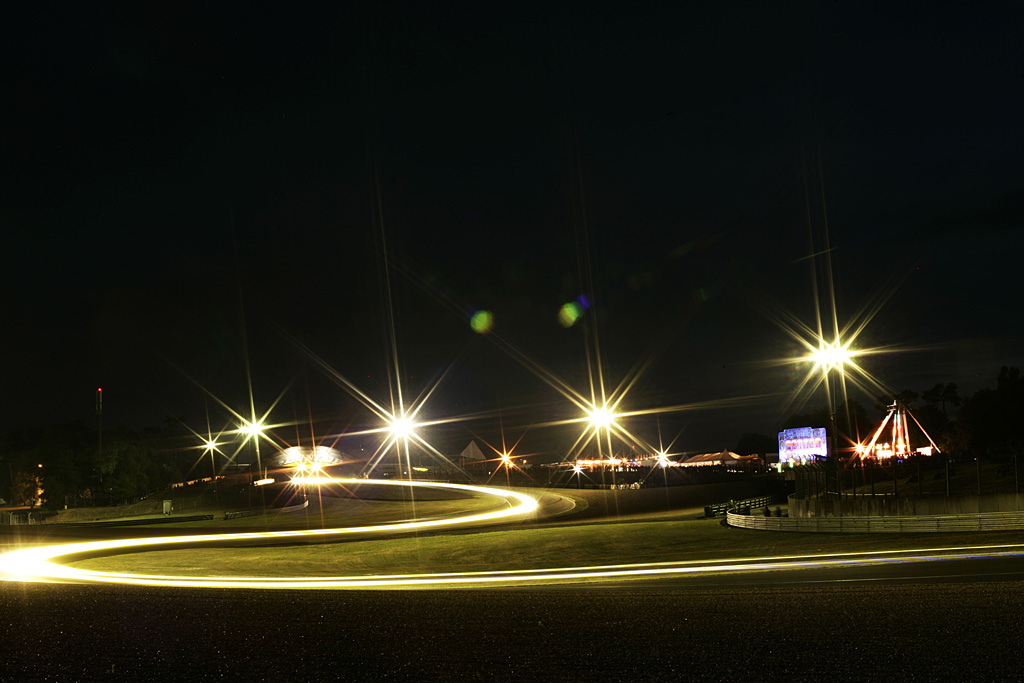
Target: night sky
{"type": "Point", "coordinates": [201, 193]}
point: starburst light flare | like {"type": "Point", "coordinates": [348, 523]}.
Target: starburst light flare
{"type": "Point", "coordinates": [402, 428]}
{"type": "Point", "coordinates": [832, 356]}
{"type": "Point", "coordinates": [602, 418]}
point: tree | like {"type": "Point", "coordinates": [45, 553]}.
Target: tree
{"type": "Point", "coordinates": [905, 397]}
{"type": "Point", "coordinates": [852, 420]}
{"type": "Point", "coordinates": [818, 418]}
{"type": "Point", "coordinates": [941, 394]}
{"type": "Point", "coordinates": [989, 420]}
{"type": "Point", "coordinates": [756, 444]}
{"type": "Point", "coordinates": [22, 489]}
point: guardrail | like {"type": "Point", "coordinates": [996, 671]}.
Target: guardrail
{"type": "Point", "coordinates": [141, 522]}
{"type": "Point", "coordinates": [748, 504]}
{"type": "Point", "coordinates": [248, 513]}
{"type": "Point", "coordinates": [983, 521]}
{"type": "Point", "coordinates": [294, 508]}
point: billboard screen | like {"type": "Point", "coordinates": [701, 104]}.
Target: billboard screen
{"type": "Point", "coordinates": [802, 445]}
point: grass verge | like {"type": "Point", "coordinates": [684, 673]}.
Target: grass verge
{"type": "Point", "coordinates": [521, 548]}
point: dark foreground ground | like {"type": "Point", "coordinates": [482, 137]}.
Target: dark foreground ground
{"type": "Point", "coordinates": [934, 632]}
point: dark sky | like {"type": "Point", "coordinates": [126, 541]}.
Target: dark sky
{"type": "Point", "coordinates": [199, 190]}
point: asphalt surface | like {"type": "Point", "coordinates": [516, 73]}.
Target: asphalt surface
{"type": "Point", "coordinates": [932, 632]}
{"type": "Point", "coordinates": [908, 570]}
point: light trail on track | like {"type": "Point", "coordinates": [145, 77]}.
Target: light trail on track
{"type": "Point", "coordinates": [43, 564]}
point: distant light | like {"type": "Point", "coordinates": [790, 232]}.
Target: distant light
{"type": "Point", "coordinates": [402, 427]}
{"type": "Point", "coordinates": [506, 459]}
{"type": "Point", "coordinates": [211, 445]}
{"type": "Point", "coordinates": [830, 356]}
{"type": "Point", "coordinates": [602, 418]}
{"type": "Point", "coordinates": [252, 429]}
{"type": "Point", "coordinates": [577, 468]}
{"type": "Point", "coordinates": [569, 313]}
{"type": "Point", "coordinates": [482, 322]}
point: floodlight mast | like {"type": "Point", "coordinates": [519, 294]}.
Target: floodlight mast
{"type": "Point", "coordinates": [253, 431]}
{"type": "Point", "coordinates": [99, 414]}
{"type": "Point", "coordinates": [830, 358]}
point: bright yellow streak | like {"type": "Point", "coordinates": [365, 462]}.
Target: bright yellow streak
{"type": "Point", "coordinates": [40, 564]}
{"type": "Point", "coordinates": [36, 564]}
{"type": "Point", "coordinates": [28, 558]}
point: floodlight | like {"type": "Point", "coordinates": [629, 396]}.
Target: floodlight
{"type": "Point", "coordinates": [830, 356]}
{"type": "Point", "coordinates": [252, 429]}
{"type": "Point", "coordinates": [402, 427]}
{"type": "Point", "coordinates": [602, 418]}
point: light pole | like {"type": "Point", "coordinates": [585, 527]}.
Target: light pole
{"type": "Point", "coordinates": [99, 413]}
{"type": "Point", "coordinates": [602, 420]}
{"type": "Point", "coordinates": [829, 358]}
{"type": "Point", "coordinates": [210, 446]}
{"type": "Point", "coordinates": [254, 431]}
{"type": "Point", "coordinates": [402, 428]}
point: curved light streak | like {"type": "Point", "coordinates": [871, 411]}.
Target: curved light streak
{"type": "Point", "coordinates": [41, 564]}
{"type": "Point", "coordinates": [36, 564]}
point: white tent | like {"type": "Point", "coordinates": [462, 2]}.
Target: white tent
{"type": "Point", "coordinates": [471, 454]}
{"type": "Point", "coordinates": [726, 457]}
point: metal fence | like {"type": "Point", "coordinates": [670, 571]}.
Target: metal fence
{"type": "Point", "coordinates": [749, 504]}
{"type": "Point", "coordinates": [985, 521]}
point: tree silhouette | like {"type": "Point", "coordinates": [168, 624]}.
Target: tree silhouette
{"type": "Point", "coordinates": [941, 394]}
{"type": "Point", "coordinates": [905, 397]}
{"type": "Point", "coordinates": [756, 444]}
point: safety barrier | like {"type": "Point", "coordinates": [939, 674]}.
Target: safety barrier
{"type": "Point", "coordinates": [985, 521]}
{"type": "Point", "coordinates": [748, 504]}
{"type": "Point", "coordinates": [141, 522]}
{"type": "Point", "coordinates": [294, 508]}
{"type": "Point", "coordinates": [248, 513]}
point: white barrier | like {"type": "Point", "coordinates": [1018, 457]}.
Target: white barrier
{"type": "Point", "coordinates": [985, 521]}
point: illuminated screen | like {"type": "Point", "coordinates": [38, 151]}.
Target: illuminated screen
{"type": "Point", "coordinates": [803, 444]}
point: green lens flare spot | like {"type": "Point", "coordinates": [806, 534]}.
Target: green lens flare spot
{"type": "Point", "coordinates": [569, 313]}
{"type": "Point", "coordinates": [482, 322]}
